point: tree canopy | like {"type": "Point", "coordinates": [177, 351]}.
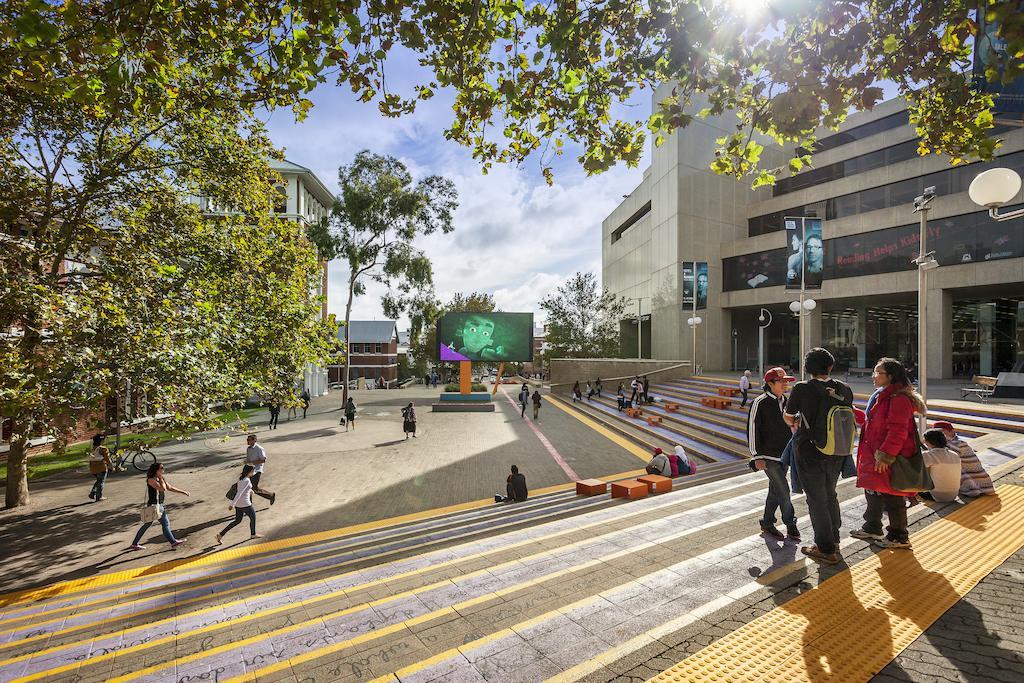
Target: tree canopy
{"type": "Point", "coordinates": [582, 322]}
{"type": "Point", "coordinates": [528, 78]}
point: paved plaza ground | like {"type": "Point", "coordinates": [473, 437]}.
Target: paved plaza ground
{"type": "Point", "coordinates": [325, 478]}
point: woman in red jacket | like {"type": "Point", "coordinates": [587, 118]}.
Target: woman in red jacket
{"type": "Point", "coordinates": [889, 433]}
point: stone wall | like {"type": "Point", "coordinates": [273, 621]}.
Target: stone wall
{"type": "Point", "coordinates": [566, 371]}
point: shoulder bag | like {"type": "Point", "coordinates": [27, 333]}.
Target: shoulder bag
{"type": "Point", "coordinates": [150, 513]}
{"type": "Point", "coordinates": [910, 474]}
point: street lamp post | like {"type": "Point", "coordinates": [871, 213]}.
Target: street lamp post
{"type": "Point", "coordinates": [693, 323]}
{"type": "Point", "coordinates": [925, 262]}
{"type": "Point", "coordinates": [764, 320]}
{"type": "Point", "coordinates": [802, 309]}
{"type": "Point", "coordinates": [995, 188]}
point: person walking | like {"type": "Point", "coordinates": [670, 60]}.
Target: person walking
{"type": "Point", "coordinates": [306, 399]}
{"type": "Point", "coordinates": [807, 410]}
{"type": "Point", "coordinates": [256, 456]}
{"type": "Point", "coordinates": [350, 414]}
{"type": "Point", "coordinates": [524, 398]}
{"type": "Point", "coordinates": [242, 505]}
{"type": "Point", "coordinates": [99, 464]}
{"type": "Point", "coordinates": [635, 385]}
{"type": "Point", "coordinates": [156, 486]}
{"type": "Point", "coordinates": [536, 403]}
{"type": "Point", "coordinates": [409, 421]}
{"type": "Point", "coordinates": [598, 387]}
{"type": "Point", "coordinates": [590, 390]}
{"type": "Point", "coordinates": [744, 387]}
{"type": "Point", "coordinates": [767, 437]}
{"type": "Point", "coordinates": [275, 412]}
{"type": "Point", "coordinates": [577, 393]}
{"type": "Point", "coordinates": [646, 383]}
{"type": "Point", "coordinates": [889, 433]}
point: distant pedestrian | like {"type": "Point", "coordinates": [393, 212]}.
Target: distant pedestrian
{"type": "Point", "coordinates": [154, 510]}
{"type": "Point", "coordinates": [257, 457]}
{"type": "Point", "coordinates": [637, 388]}
{"type": "Point", "coordinates": [767, 437]}
{"type": "Point", "coordinates": [434, 377]}
{"type": "Point", "coordinates": [524, 398]}
{"type": "Point", "coordinates": [515, 488]}
{"type": "Point", "coordinates": [744, 386]}
{"type": "Point", "coordinates": [306, 398]}
{"type": "Point", "coordinates": [646, 383]}
{"type": "Point", "coordinates": [426, 380]}
{"type": "Point", "coordinates": [577, 393]}
{"type": "Point", "coordinates": [293, 410]}
{"type": "Point", "coordinates": [275, 412]}
{"type": "Point", "coordinates": [242, 505]}
{"type": "Point", "coordinates": [598, 387]}
{"type": "Point", "coordinates": [889, 433]}
{"type": "Point", "coordinates": [409, 420]}
{"type": "Point", "coordinates": [590, 390]}
{"type": "Point", "coordinates": [99, 465]}
{"type": "Point", "coordinates": [350, 414]}
{"type": "Point", "coordinates": [823, 405]}
{"type": "Point", "coordinates": [536, 403]}
{"type": "Point", "coordinates": [620, 397]}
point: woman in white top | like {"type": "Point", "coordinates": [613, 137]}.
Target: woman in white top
{"type": "Point", "coordinates": [242, 505]}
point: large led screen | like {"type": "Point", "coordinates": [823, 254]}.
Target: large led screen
{"type": "Point", "coordinates": [485, 337]}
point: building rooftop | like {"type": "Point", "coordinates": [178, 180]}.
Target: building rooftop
{"type": "Point", "coordinates": [315, 185]}
{"type": "Point", "coordinates": [369, 331]}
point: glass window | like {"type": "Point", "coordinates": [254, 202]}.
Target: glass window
{"type": "Point", "coordinates": [873, 199]}
{"type": "Point", "coordinates": [377, 349]}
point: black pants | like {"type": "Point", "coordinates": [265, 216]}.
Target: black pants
{"type": "Point", "coordinates": [632, 398]}
{"type": "Point", "coordinates": [895, 507]}
{"type": "Point", "coordinates": [819, 475]}
{"type": "Point", "coordinates": [744, 401]}
{"type": "Point", "coordinates": [305, 407]}
{"type": "Point", "coordinates": [255, 478]}
{"type": "Point", "coordinates": [274, 414]}
{"type": "Point", "coordinates": [239, 512]}
{"type": "Point", "coordinates": [522, 413]}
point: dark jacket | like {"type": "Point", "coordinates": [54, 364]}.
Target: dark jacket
{"type": "Point", "coordinates": [517, 486]}
{"type": "Point", "coordinates": [767, 432]}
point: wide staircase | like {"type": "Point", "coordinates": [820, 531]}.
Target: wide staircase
{"type": "Point", "coordinates": [563, 587]}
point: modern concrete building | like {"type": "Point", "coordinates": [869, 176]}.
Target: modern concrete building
{"type": "Point", "coordinates": [863, 184]}
{"type": "Point", "coordinates": [304, 199]}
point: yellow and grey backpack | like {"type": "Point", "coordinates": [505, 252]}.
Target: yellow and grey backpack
{"type": "Point", "coordinates": [833, 426]}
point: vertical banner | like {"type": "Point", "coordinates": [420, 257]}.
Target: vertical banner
{"type": "Point", "coordinates": [805, 253]}
{"type": "Point", "coordinates": [686, 278]}
{"type": "Point", "coordinates": [701, 270]}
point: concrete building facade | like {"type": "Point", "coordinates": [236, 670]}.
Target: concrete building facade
{"type": "Point", "coordinates": [862, 184]}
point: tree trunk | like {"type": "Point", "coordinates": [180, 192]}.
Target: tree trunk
{"type": "Point", "coordinates": [348, 356]}
{"type": "Point", "coordinates": [17, 471]}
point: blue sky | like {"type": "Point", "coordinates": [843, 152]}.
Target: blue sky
{"type": "Point", "coordinates": [514, 237]}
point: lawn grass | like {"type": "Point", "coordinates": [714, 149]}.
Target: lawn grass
{"type": "Point", "coordinates": [76, 455]}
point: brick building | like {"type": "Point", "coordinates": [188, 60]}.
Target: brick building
{"type": "Point", "coordinates": [373, 352]}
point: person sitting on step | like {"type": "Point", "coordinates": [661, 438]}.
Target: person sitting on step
{"type": "Point", "coordinates": [515, 488]}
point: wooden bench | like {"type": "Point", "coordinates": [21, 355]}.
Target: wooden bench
{"type": "Point", "coordinates": [980, 386]}
{"type": "Point", "coordinates": [634, 412]}
{"type": "Point", "coordinates": [630, 488]}
{"type": "Point", "coordinates": [716, 402]}
{"type": "Point", "coordinates": [657, 483]}
{"type": "Point", "coordinates": [671, 407]}
{"type": "Point", "coordinates": [860, 372]}
{"type": "Point", "coordinates": [728, 391]}
{"type": "Point", "coordinates": [653, 420]}
{"type": "Point", "coordinates": [591, 487]}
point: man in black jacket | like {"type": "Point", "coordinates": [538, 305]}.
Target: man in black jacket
{"type": "Point", "coordinates": [515, 487]}
{"type": "Point", "coordinates": [767, 436]}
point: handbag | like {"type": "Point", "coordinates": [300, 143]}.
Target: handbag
{"type": "Point", "coordinates": [911, 474]}
{"type": "Point", "coordinates": [150, 513]}
{"type": "Point", "coordinates": [232, 492]}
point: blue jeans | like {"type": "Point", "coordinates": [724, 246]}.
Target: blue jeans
{"type": "Point", "coordinates": [778, 496]}
{"type": "Point", "coordinates": [165, 525]}
{"type": "Point", "coordinates": [97, 487]}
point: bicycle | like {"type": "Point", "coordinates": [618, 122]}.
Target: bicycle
{"type": "Point", "coordinates": [141, 457]}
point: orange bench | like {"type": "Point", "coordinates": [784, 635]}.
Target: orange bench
{"type": "Point", "coordinates": [715, 402]}
{"type": "Point", "coordinates": [653, 420]}
{"type": "Point", "coordinates": [634, 412]}
{"type": "Point", "coordinates": [671, 407]}
{"type": "Point", "coordinates": [591, 487]}
{"type": "Point", "coordinates": [657, 483]}
{"type": "Point", "coordinates": [728, 391]}
{"type": "Point", "coordinates": [629, 489]}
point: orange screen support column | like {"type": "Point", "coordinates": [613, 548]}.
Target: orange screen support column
{"type": "Point", "coordinates": [465, 377]}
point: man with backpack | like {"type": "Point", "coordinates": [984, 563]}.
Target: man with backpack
{"type": "Point", "coordinates": [822, 411]}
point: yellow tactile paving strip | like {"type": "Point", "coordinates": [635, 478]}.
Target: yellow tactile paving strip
{"type": "Point", "coordinates": [855, 623]}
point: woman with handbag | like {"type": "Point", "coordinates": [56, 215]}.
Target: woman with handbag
{"type": "Point", "coordinates": [241, 503]}
{"type": "Point", "coordinates": [409, 420]}
{"type": "Point", "coordinates": [153, 510]}
{"type": "Point", "coordinates": [889, 435]}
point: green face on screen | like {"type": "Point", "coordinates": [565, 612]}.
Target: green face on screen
{"type": "Point", "coordinates": [477, 333]}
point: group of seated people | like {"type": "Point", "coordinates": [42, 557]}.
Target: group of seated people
{"type": "Point", "coordinates": [954, 467]}
{"type": "Point", "coordinates": [672, 464]}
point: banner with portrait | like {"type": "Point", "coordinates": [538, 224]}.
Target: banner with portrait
{"type": "Point", "coordinates": [694, 280]}
{"type": "Point", "coordinates": [805, 253]}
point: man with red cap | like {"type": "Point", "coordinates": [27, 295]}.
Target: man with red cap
{"type": "Point", "coordinates": [974, 480]}
{"type": "Point", "coordinates": [659, 464]}
{"type": "Point", "coordinates": [767, 437]}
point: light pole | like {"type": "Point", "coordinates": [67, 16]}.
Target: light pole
{"type": "Point", "coordinates": [764, 320]}
{"type": "Point", "coordinates": [693, 323]}
{"type": "Point", "coordinates": [995, 188]}
{"type": "Point", "coordinates": [925, 262]}
{"type": "Point", "coordinates": [802, 309]}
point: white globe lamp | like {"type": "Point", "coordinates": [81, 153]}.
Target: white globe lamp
{"type": "Point", "coordinates": [995, 187]}
{"type": "Point", "coordinates": [810, 305]}
{"type": "Point", "coordinates": [794, 306]}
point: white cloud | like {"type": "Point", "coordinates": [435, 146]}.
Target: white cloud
{"type": "Point", "coordinates": [515, 237]}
